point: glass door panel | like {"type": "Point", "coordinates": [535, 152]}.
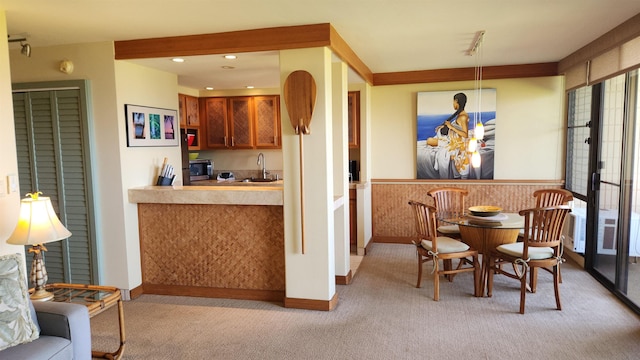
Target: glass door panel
{"type": "Point", "coordinates": [630, 281]}
{"type": "Point", "coordinates": [609, 168]}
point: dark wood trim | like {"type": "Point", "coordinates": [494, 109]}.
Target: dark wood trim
{"type": "Point", "coordinates": [619, 35]}
{"type": "Point", "coordinates": [197, 291]}
{"type": "Point", "coordinates": [277, 38]}
{"type": "Point", "coordinates": [308, 304]}
{"type": "Point", "coordinates": [342, 49]}
{"type": "Point", "coordinates": [392, 239]}
{"type": "Point", "coordinates": [136, 292]}
{"type": "Point", "coordinates": [467, 182]}
{"type": "Point", "coordinates": [463, 74]}
{"type": "Point", "coordinates": [344, 279]}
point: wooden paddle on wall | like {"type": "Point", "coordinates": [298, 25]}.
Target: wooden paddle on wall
{"type": "Point", "coordinates": [300, 99]}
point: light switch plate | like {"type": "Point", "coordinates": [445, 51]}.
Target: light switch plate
{"type": "Point", "coordinates": [4, 189]}
{"type": "Point", "coordinates": [12, 183]}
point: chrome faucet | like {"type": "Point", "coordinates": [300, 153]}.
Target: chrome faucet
{"type": "Point", "coordinates": [264, 165]}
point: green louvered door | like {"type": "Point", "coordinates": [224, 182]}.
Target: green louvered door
{"type": "Point", "coordinates": [53, 158]}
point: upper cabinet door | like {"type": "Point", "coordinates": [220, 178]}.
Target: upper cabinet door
{"type": "Point", "coordinates": [215, 118]}
{"type": "Point", "coordinates": [181, 110]}
{"type": "Point", "coordinates": [191, 110]}
{"type": "Point", "coordinates": [241, 122]}
{"type": "Point", "coordinates": [354, 119]}
{"type": "Point", "coordinates": [267, 122]}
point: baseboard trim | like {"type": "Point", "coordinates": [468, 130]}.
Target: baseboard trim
{"type": "Point", "coordinates": [308, 304]}
{"type": "Point", "coordinates": [136, 292]}
{"type": "Point", "coordinates": [393, 239]}
{"type": "Point", "coordinates": [344, 279]}
{"type": "Point", "coordinates": [224, 293]}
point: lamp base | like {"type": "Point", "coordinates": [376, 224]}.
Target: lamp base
{"type": "Point", "coordinates": [41, 295]}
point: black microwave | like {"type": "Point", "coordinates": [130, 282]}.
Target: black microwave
{"type": "Point", "coordinates": [200, 169]}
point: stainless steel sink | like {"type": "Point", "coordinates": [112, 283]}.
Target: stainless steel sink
{"type": "Point", "coordinates": [258, 180]}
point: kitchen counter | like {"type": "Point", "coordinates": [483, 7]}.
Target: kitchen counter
{"type": "Point", "coordinates": [229, 194]}
{"type": "Point", "coordinates": [212, 241]}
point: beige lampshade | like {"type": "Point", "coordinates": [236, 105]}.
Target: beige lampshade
{"type": "Point", "coordinates": [38, 223]}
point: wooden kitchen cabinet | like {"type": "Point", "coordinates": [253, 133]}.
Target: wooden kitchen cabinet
{"type": "Point", "coordinates": [353, 221]}
{"type": "Point", "coordinates": [242, 122]}
{"type": "Point", "coordinates": [214, 117]}
{"type": "Point", "coordinates": [189, 118]}
{"type": "Point", "coordinates": [189, 115]}
{"type": "Point", "coordinates": [267, 122]}
{"type": "Point", "coordinates": [354, 119]}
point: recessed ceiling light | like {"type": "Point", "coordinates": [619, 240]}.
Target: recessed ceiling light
{"type": "Point", "coordinates": [249, 86]}
{"type": "Point", "coordinates": [178, 60]}
{"type": "Point", "coordinates": [228, 67]}
{"type": "Point", "coordinates": [230, 57]}
{"type": "Point", "coordinates": [209, 88]}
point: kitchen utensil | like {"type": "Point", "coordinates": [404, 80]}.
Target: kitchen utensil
{"type": "Point", "coordinates": [300, 99]}
{"type": "Point", "coordinates": [193, 156]}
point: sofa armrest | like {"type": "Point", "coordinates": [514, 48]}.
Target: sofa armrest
{"type": "Point", "coordinates": [70, 321]}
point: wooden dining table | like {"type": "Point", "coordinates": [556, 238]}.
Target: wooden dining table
{"type": "Point", "coordinates": [485, 233]}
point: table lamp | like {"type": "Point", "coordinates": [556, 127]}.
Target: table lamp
{"type": "Point", "coordinates": [37, 225]}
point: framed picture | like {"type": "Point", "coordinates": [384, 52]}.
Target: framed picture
{"type": "Point", "coordinates": [445, 124]}
{"type": "Point", "coordinates": [147, 126]}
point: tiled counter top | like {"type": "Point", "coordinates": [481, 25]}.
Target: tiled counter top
{"type": "Point", "coordinates": [229, 194]}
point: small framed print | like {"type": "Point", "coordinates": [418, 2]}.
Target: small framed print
{"type": "Point", "coordinates": [148, 126]}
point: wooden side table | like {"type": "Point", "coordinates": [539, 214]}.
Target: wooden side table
{"type": "Point", "coordinates": [97, 299]}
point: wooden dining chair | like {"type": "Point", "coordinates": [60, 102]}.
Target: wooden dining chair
{"type": "Point", "coordinates": [547, 198]}
{"type": "Point", "coordinates": [541, 248]}
{"type": "Point", "coordinates": [431, 247]}
{"type": "Point", "coordinates": [449, 199]}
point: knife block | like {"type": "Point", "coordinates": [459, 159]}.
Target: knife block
{"type": "Point", "coordinates": [165, 181]}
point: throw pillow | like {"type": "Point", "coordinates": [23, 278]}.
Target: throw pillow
{"type": "Point", "coordinates": [16, 324]}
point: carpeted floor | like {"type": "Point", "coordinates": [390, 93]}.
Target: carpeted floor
{"type": "Point", "coordinates": [381, 315]}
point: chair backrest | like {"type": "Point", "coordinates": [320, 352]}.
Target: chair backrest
{"type": "Point", "coordinates": [552, 197]}
{"type": "Point", "coordinates": [425, 219]}
{"type": "Point", "coordinates": [543, 227]}
{"type": "Point", "coordinates": [448, 199]}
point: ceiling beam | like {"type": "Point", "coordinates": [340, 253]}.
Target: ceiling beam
{"type": "Point", "coordinates": [463, 74]}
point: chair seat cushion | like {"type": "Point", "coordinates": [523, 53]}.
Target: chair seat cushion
{"type": "Point", "coordinates": [449, 229]}
{"type": "Point", "coordinates": [535, 253]}
{"type": "Point", "coordinates": [446, 245]}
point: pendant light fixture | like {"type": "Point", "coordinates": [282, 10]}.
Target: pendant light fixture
{"type": "Point", "coordinates": [478, 129]}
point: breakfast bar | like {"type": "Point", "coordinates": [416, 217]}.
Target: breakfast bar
{"type": "Point", "coordinates": [212, 241]}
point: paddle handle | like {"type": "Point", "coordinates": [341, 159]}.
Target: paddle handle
{"type": "Point", "coordinates": [301, 193]}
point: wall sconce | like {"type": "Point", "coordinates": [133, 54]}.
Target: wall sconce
{"type": "Point", "coordinates": [26, 48]}
{"type": "Point", "coordinates": [66, 66]}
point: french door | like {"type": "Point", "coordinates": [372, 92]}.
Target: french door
{"type": "Point", "coordinates": [603, 161]}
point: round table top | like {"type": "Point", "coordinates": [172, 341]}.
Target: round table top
{"type": "Point", "coordinates": [500, 221]}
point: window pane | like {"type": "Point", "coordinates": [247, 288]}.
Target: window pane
{"type": "Point", "coordinates": [579, 114]}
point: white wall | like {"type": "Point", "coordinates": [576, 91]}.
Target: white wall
{"type": "Point", "coordinates": [9, 202]}
{"type": "Point", "coordinates": [529, 129]}
{"type": "Point", "coordinates": [116, 168]}
{"type": "Point", "coordinates": [139, 85]}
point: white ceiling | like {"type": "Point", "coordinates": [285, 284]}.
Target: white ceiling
{"type": "Point", "coordinates": [388, 35]}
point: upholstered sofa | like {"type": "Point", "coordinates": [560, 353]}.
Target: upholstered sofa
{"type": "Point", "coordinates": [38, 330]}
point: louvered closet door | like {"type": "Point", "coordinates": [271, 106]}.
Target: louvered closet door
{"type": "Point", "coordinates": [53, 158]}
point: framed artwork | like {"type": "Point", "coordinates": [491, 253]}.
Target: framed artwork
{"type": "Point", "coordinates": [445, 123]}
{"type": "Point", "coordinates": [147, 126]}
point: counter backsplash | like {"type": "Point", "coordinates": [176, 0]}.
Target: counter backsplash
{"type": "Point", "coordinates": [243, 174]}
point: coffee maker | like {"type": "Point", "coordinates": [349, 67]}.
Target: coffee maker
{"type": "Point", "coordinates": [354, 174]}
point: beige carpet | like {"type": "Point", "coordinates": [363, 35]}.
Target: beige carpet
{"type": "Point", "coordinates": [381, 315]}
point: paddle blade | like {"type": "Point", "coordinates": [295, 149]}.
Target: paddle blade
{"type": "Point", "coordinates": [300, 99]}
